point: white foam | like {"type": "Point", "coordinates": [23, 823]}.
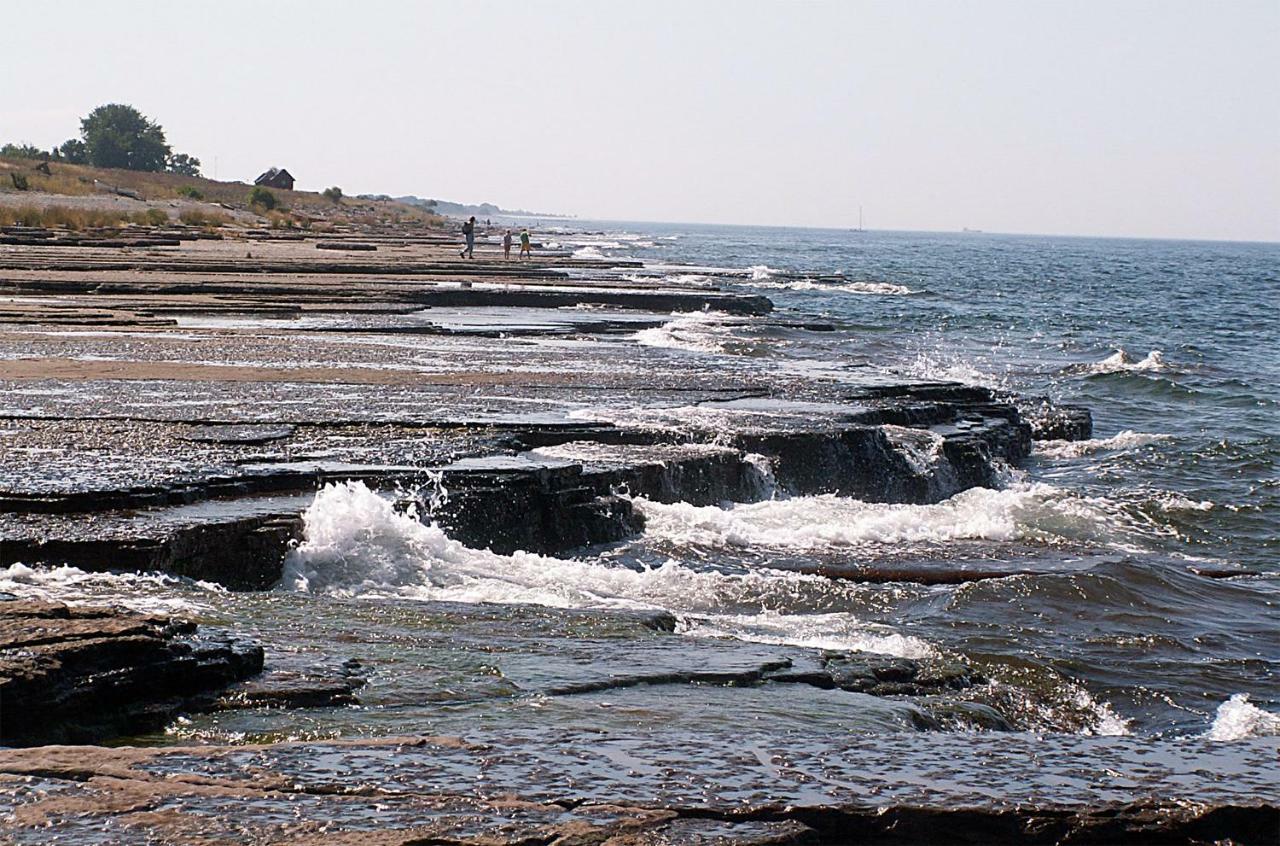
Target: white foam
{"type": "Point", "coordinates": [591, 252]}
{"type": "Point", "coordinates": [700, 331]}
{"type": "Point", "coordinates": [937, 368]}
{"type": "Point", "coordinates": [865, 288]}
{"type": "Point", "coordinates": [815, 631]}
{"type": "Point", "coordinates": [1238, 718]}
{"type": "Point", "coordinates": [357, 544]}
{"type": "Point", "coordinates": [760, 272]}
{"type": "Point", "coordinates": [1035, 512]}
{"type": "Point", "coordinates": [150, 593]}
{"type": "Point", "coordinates": [1127, 439]}
{"type": "Point", "coordinates": [1120, 362]}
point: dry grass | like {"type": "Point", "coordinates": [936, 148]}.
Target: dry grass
{"type": "Point", "coordinates": [63, 217]}
{"type": "Point", "coordinates": [81, 180]}
{"type": "Point", "coordinates": [207, 219]}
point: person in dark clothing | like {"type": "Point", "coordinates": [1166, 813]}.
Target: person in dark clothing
{"type": "Point", "coordinates": [469, 232]}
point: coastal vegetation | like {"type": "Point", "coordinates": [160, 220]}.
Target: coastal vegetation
{"type": "Point", "coordinates": [262, 199]}
{"type": "Point", "coordinates": [77, 219]}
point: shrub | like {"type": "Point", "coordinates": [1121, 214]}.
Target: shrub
{"type": "Point", "coordinates": [280, 220]}
{"type": "Point", "coordinates": [150, 217]}
{"type": "Point", "coordinates": [63, 216]}
{"type": "Point", "coordinates": [334, 194]}
{"type": "Point", "coordinates": [191, 192]}
{"type": "Point", "coordinates": [19, 181]}
{"type": "Point", "coordinates": [200, 217]}
{"type": "Point", "coordinates": [260, 197]}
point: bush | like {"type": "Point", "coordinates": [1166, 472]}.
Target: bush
{"type": "Point", "coordinates": [150, 217]}
{"type": "Point", "coordinates": [64, 216]}
{"type": "Point", "coordinates": [334, 194]}
{"type": "Point", "coordinates": [191, 192]}
{"type": "Point", "coordinates": [19, 181]}
{"type": "Point", "coordinates": [261, 198]}
{"type": "Point", "coordinates": [200, 217]}
{"type": "Point", "coordinates": [280, 220]}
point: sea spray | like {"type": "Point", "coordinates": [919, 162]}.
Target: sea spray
{"type": "Point", "coordinates": [1238, 718]}
{"type": "Point", "coordinates": [357, 544]}
{"type": "Point", "coordinates": [1031, 512]}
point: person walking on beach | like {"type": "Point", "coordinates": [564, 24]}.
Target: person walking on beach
{"type": "Point", "coordinates": [506, 244]}
{"type": "Point", "coordinates": [469, 232]}
{"type": "Point", "coordinates": [526, 249]}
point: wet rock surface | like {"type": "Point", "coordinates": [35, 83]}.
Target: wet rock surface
{"type": "Point", "coordinates": [88, 674]}
{"type": "Point", "coordinates": [573, 788]}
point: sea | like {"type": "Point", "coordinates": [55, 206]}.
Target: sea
{"type": "Point", "coordinates": [1147, 601]}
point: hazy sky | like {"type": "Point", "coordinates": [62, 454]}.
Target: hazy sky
{"type": "Point", "coordinates": [1076, 117]}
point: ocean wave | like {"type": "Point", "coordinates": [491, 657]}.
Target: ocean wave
{"type": "Point", "coordinates": [1029, 512]}
{"type": "Point", "coordinates": [1127, 439]}
{"type": "Point", "coordinates": [760, 272]}
{"type": "Point", "coordinates": [356, 544]}
{"type": "Point", "coordinates": [590, 252]}
{"type": "Point", "coordinates": [935, 367]}
{"type": "Point", "coordinates": [866, 288]}
{"type": "Point", "coordinates": [150, 593]}
{"type": "Point", "coordinates": [1238, 718]}
{"type": "Point", "coordinates": [700, 331]}
{"type": "Point", "coordinates": [1121, 362]}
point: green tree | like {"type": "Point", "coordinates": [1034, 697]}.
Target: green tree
{"type": "Point", "coordinates": [21, 151]}
{"type": "Point", "coordinates": [73, 151]}
{"type": "Point", "coordinates": [334, 194]}
{"type": "Point", "coordinates": [184, 164]}
{"type": "Point", "coordinates": [116, 135]}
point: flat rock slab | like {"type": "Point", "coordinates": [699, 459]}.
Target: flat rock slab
{"type": "Point", "coordinates": [83, 674]}
{"type": "Point", "coordinates": [581, 787]}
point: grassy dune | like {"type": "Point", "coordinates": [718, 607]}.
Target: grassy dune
{"type": "Point", "coordinates": [200, 199]}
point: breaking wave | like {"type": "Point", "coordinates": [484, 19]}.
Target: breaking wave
{"type": "Point", "coordinates": [1035, 512]}
{"type": "Point", "coordinates": [150, 593]}
{"type": "Point", "coordinates": [1128, 439]}
{"type": "Point", "coordinates": [1238, 718]}
{"type": "Point", "coordinates": [867, 288]}
{"type": "Point", "coordinates": [700, 331]}
{"type": "Point", "coordinates": [1121, 362]}
{"type": "Point", "coordinates": [357, 544]}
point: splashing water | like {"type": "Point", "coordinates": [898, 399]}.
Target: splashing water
{"type": "Point", "coordinates": [1238, 718]}
{"type": "Point", "coordinates": [358, 544]}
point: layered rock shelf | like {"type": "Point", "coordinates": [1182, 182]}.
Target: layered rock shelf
{"type": "Point", "coordinates": [86, 674]}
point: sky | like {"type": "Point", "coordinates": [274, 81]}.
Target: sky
{"type": "Point", "coordinates": [1119, 118]}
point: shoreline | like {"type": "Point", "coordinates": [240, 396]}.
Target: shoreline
{"type": "Point", "coordinates": [121, 448]}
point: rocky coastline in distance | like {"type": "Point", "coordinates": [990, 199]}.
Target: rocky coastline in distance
{"type": "Point", "coordinates": [173, 404]}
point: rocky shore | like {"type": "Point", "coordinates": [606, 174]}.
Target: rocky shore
{"type": "Point", "coordinates": [173, 404]}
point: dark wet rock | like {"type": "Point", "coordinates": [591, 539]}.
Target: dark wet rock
{"type": "Point", "coordinates": [248, 435]}
{"type": "Point", "coordinates": [346, 245]}
{"type": "Point", "coordinates": [242, 553]}
{"type": "Point", "coordinates": [285, 688]}
{"type": "Point", "coordinates": [86, 674]}
{"type": "Point", "coordinates": [879, 675]}
{"type": "Point", "coordinates": [1057, 422]}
